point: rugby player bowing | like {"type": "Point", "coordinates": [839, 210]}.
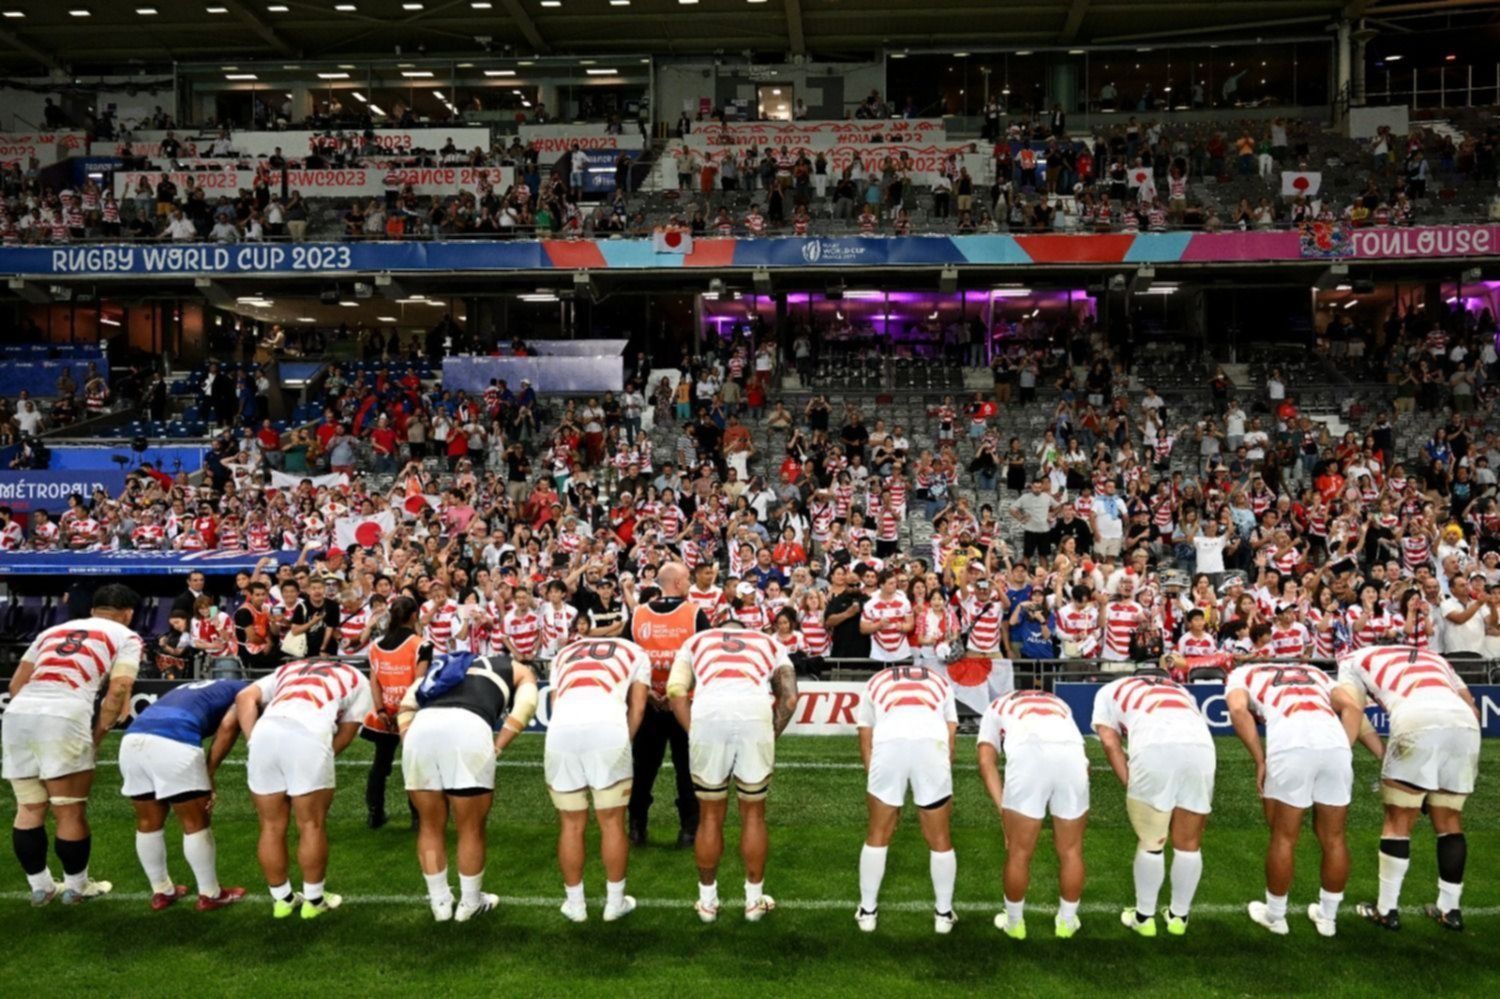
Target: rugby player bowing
{"type": "Point", "coordinates": [49, 747]}
{"type": "Point", "coordinates": [732, 722]}
{"type": "Point", "coordinates": [163, 768]}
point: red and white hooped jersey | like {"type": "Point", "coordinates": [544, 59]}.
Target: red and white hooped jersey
{"type": "Point", "coordinates": [1418, 689]}
{"type": "Point", "coordinates": [317, 694]}
{"type": "Point", "coordinates": [216, 632]}
{"type": "Point", "coordinates": [12, 537]}
{"type": "Point", "coordinates": [706, 600]}
{"type": "Point", "coordinates": [1294, 701]}
{"type": "Point", "coordinates": [1154, 711]}
{"type": "Point", "coordinates": [1027, 717]}
{"type": "Point", "coordinates": [985, 622]}
{"type": "Point", "coordinates": [1079, 624]}
{"type": "Point", "coordinates": [1196, 645]}
{"type": "Point", "coordinates": [892, 645]}
{"type": "Point", "coordinates": [907, 702]}
{"type": "Point", "coordinates": [1121, 619]}
{"type": "Point", "coordinates": [557, 625]}
{"type": "Point", "coordinates": [732, 671]}
{"type": "Point", "coordinates": [442, 622]}
{"type": "Point", "coordinates": [1291, 642]}
{"type": "Point", "coordinates": [73, 661]}
{"type": "Point", "coordinates": [815, 637]}
{"type": "Point", "coordinates": [1371, 629]}
{"type": "Point", "coordinates": [524, 629]}
{"type": "Point", "coordinates": [149, 537]}
{"type": "Point", "coordinates": [351, 626]}
{"type": "Point", "coordinates": [591, 678]}
{"type": "Point", "coordinates": [44, 536]}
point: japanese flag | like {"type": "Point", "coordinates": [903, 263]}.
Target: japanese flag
{"type": "Point", "coordinates": [1139, 175]}
{"type": "Point", "coordinates": [976, 682]}
{"type": "Point", "coordinates": [366, 532]}
{"type": "Point", "coordinates": [283, 480]}
{"type": "Point", "coordinates": [414, 505]}
{"type": "Point", "coordinates": [1304, 182]}
{"type": "Point", "coordinates": [672, 241]}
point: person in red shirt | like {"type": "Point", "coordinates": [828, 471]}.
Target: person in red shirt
{"type": "Point", "coordinates": [788, 552]}
{"type": "Point", "coordinates": [383, 439]}
{"type": "Point", "coordinates": [328, 429]}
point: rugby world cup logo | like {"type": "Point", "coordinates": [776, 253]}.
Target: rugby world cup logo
{"type": "Point", "coordinates": [812, 251]}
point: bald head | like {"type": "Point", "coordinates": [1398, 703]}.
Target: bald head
{"type": "Point", "coordinates": [673, 580]}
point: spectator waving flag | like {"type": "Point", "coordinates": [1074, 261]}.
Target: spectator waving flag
{"type": "Point", "coordinates": [1304, 182]}
{"type": "Point", "coordinates": [672, 241]}
{"type": "Point", "coordinates": [978, 680]}
{"type": "Point", "coordinates": [366, 532]}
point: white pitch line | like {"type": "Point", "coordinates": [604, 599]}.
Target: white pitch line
{"type": "Point", "coordinates": [792, 904]}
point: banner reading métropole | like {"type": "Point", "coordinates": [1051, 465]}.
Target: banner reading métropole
{"type": "Point", "coordinates": [350, 182]}
{"type": "Point", "coordinates": [134, 563]}
{"type": "Point", "coordinates": [26, 491]}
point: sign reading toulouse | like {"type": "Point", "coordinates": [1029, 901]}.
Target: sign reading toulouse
{"type": "Point", "coordinates": [1426, 241]}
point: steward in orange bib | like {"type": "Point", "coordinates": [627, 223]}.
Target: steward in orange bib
{"type": "Point", "coordinates": [661, 627]}
{"type": "Point", "coordinates": [398, 660]}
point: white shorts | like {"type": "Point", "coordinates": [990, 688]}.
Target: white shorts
{"type": "Point", "coordinates": [1434, 759]}
{"type": "Point", "coordinates": [152, 767]}
{"type": "Point", "coordinates": [286, 758]}
{"type": "Point", "coordinates": [590, 757]}
{"type": "Point", "coordinates": [1302, 778]}
{"type": "Point", "coordinates": [921, 764]}
{"type": "Point", "coordinates": [1046, 777]}
{"type": "Point", "coordinates": [722, 749]}
{"type": "Point", "coordinates": [448, 749]}
{"type": "Point", "coordinates": [45, 747]}
{"type": "Point", "coordinates": [1174, 776]}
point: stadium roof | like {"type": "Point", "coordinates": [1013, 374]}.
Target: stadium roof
{"type": "Point", "coordinates": [116, 35]}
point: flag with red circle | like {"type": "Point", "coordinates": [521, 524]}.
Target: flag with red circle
{"type": "Point", "coordinates": [1303, 182]}
{"type": "Point", "coordinates": [672, 241]}
{"type": "Point", "coordinates": [366, 532]}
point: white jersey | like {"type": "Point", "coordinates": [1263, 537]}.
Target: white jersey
{"type": "Point", "coordinates": [557, 626]}
{"type": "Point", "coordinates": [907, 702]}
{"type": "Point", "coordinates": [316, 694]}
{"type": "Point", "coordinates": [1153, 710]}
{"type": "Point", "coordinates": [590, 681]}
{"type": "Point", "coordinates": [73, 661]}
{"type": "Point", "coordinates": [732, 670]}
{"type": "Point", "coordinates": [1418, 689]}
{"type": "Point", "coordinates": [1296, 704]}
{"type": "Point", "coordinates": [1026, 717]}
{"type": "Point", "coordinates": [888, 646]}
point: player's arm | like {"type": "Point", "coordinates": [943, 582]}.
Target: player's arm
{"type": "Point", "coordinates": [952, 741]}
{"type": "Point", "coordinates": [1243, 720]}
{"type": "Point", "coordinates": [679, 684]}
{"type": "Point", "coordinates": [989, 772]}
{"type": "Point", "coordinates": [344, 735]}
{"type": "Point", "coordinates": [522, 705]}
{"type": "Point", "coordinates": [247, 708]}
{"type": "Point", "coordinates": [1114, 751]}
{"type": "Point", "coordinates": [1351, 714]}
{"type": "Point", "coordinates": [784, 686]}
{"type": "Point", "coordinates": [117, 696]}
{"type": "Point", "coordinates": [22, 676]}
{"type": "Point", "coordinates": [866, 745]}
{"type": "Point", "coordinates": [228, 731]}
{"type": "Point", "coordinates": [635, 707]}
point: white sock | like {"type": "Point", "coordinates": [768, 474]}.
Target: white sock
{"type": "Point", "coordinates": [753, 893]}
{"type": "Point", "coordinates": [151, 849]}
{"type": "Point", "coordinates": [1328, 903]}
{"type": "Point", "coordinates": [1275, 906]}
{"type": "Point", "coordinates": [708, 895]}
{"type": "Point", "coordinates": [573, 893]}
{"type": "Point", "coordinates": [470, 885]}
{"type": "Point", "coordinates": [282, 892]}
{"type": "Point", "coordinates": [871, 874]}
{"type": "Point", "coordinates": [76, 882]}
{"type": "Point", "coordinates": [1392, 873]}
{"type": "Point", "coordinates": [203, 857]}
{"type": "Point", "coordinates": [312, 891]}
{"type": "Point", "coordinates": [1448, 895]}
{"type": "Point", "coordinates": [614, 892]}
{"type": "Point", "coordinates": [1150, 870]}
{"type": "Point", "coordinates": [944, 869]}
{"type": "Point", "coordinates": [1067, 910]}
{"type": "Point", "coordinates": [1187, 871]}
{"type": "Point", "coordinates": [41, 880]}
{"type": "Point", "coordinates": [438, 888]}
{"type": "Point", "coordinates": [1015, 911]}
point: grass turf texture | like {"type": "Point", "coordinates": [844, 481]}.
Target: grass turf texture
{"type": "Point", "coordinates": [383, 941]}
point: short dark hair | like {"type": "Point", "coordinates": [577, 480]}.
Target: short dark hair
{"type": "Point", "coordinates": [116, 596]}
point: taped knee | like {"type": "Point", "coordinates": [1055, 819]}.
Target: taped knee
{"type": "Point", "coordinates": [1447, 799]}
{"type": "Point", "coordinates": [1151, 825]}
{"type": "Point", "coordinates": [752, 792]}
{"type": "Point", "coordinates": [29, 791]}
{"type": "Point", "coordinates": [710, 792]}
{"type": "Point", "coordinates": [70, 801]}
{"type": "Point", "coordinates": [1402, 797]}
{"type": "Point", "coordinates": [1452, 855]}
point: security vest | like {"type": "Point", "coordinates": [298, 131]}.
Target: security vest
{"type": "Point", "coordinates": [661, 633]}
{"type": "Point", "coordinates": [395, 669]}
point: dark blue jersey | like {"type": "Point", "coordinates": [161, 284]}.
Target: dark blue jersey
{"type": "Point", "coordinates": [190, 713]}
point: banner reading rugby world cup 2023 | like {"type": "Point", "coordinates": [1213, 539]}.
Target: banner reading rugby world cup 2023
{"type": "Point", "coordinates": [201, 258]}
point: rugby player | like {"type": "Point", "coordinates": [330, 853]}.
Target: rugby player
{"type": "Point", "coordinates": [1046, 771]}
{"type": "Point", "coordinates": [397, 661]}
{"type": "Point", "coordinates": [908, 725]}
{"type": "Point", "coordinates": [1169, 787]}
{"type": "Point", "coordinates": [1306, 763]}
{"type": "Point", "coordinates": [732, 722]}
{"type": "Point", "coordinates": [163, 769]}
{"type": "Point", "coordinates": [296, 720]}
{"type": "Point", "coordinates": [599, 690]}
{"type": "Point", "coordinates": [1431, 759]}
{"type": "Point", "coordinates": [49, 747]}
{"type": "Point", "coordinates": [450, 739]}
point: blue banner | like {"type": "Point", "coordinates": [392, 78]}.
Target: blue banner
{"type": "Point", "coordinates": [1210, 698]}
{"type": "Point", "coordinates": [27, 491]}
{"type": "Point", "coordinates": [130, 563]}
{"type": "Point", "coordinates": [169, 458]}
{"type": "Point", "coordinates": [40, 377]}
{"type": "Point", "coordinates": [269, 258]}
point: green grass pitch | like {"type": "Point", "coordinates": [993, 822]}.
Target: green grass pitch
{"type": "Point", "coordinates": [383, 941]}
